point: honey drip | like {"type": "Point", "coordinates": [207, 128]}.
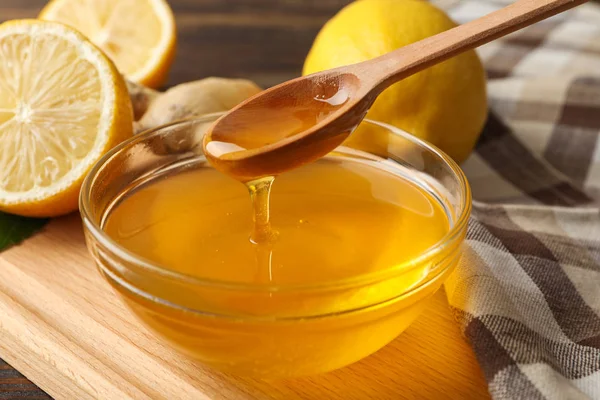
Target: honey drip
{"type": "Point", "coordinates": [263, 126]}
{"type": "Point", "coordinates": [260, 194]}
{"type": "Point", "coordinates": [263, 235]}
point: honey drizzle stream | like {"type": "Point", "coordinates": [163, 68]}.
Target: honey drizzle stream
{"type": "Point", "coordinates": [263, 236]}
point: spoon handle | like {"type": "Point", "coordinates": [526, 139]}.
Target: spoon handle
{"type": "Point", "coordinates": [415, 57]}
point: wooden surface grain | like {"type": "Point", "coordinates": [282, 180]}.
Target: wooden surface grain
{"type": "Point", "coordinates": [65, 330]}
{"type": "Point", "coordinates": [63, 327]}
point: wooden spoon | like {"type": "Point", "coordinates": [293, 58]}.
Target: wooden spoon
{"type": "Point", "coordinates": [303, 119]}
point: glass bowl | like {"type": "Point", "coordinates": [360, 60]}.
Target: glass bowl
{"type": "Point", "coordinates": [324, 326]}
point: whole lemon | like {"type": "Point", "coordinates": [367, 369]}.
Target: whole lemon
{"type": "Point", "coordinates": [445, 104]}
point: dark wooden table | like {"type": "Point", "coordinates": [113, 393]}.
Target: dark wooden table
{"type": "Point", "coordinates": [262, 40]}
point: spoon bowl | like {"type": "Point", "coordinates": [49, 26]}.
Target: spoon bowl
{"type": "Point", "coordinates": [286, 126]}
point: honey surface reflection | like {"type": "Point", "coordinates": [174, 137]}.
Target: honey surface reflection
{"type": "Point", "coordinates": [333, 219]}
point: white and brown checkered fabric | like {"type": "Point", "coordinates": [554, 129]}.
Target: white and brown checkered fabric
{"type": "Point", "coordinates": [527, 293]}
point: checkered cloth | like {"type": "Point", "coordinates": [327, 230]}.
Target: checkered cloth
{"type": "Point", "coordinates": [527, 293]}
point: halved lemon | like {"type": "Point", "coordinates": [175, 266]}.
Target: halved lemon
{"type": "Point", "coordinates": [63, 104]}
{"type": "Point", "coordinates": [138, 35]}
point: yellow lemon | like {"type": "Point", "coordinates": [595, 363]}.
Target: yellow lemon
{"type": "Point", "coordinates": [63, 104]}
{"type": "Point", "coordinates": [445, 104]}
{"type": "Point", "coordinates": [138, 35]}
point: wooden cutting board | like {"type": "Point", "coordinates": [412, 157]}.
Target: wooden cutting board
{"type": "Point", "coordinates": [63, 327]}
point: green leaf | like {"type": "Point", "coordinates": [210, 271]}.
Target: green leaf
{"type": "Point", "coordinates": [15, 229]}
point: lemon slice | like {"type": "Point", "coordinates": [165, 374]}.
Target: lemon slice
{"type": "Point", "coordinates": [138, 35]}
{"type": "Point", "coordinates": [63, 104]}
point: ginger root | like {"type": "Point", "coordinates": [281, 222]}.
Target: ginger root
{"type": "Point", "coordinates": [141, 97]}
{"type": "Point", "coordinates": [206, 96]}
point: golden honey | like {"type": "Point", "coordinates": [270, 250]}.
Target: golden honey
{"type": "Point", "coordinates": [338, 275]}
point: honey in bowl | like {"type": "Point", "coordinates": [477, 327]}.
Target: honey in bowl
{"type": "Point", "coordinates": [340, 217]}
{"type": "Point", "coordinates": [357, 244]}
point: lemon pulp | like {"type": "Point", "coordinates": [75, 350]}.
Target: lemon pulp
{"type": "Point", "coordinates": [139, 36]}
{"type": "Point", "coordinates": [62, 106]}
